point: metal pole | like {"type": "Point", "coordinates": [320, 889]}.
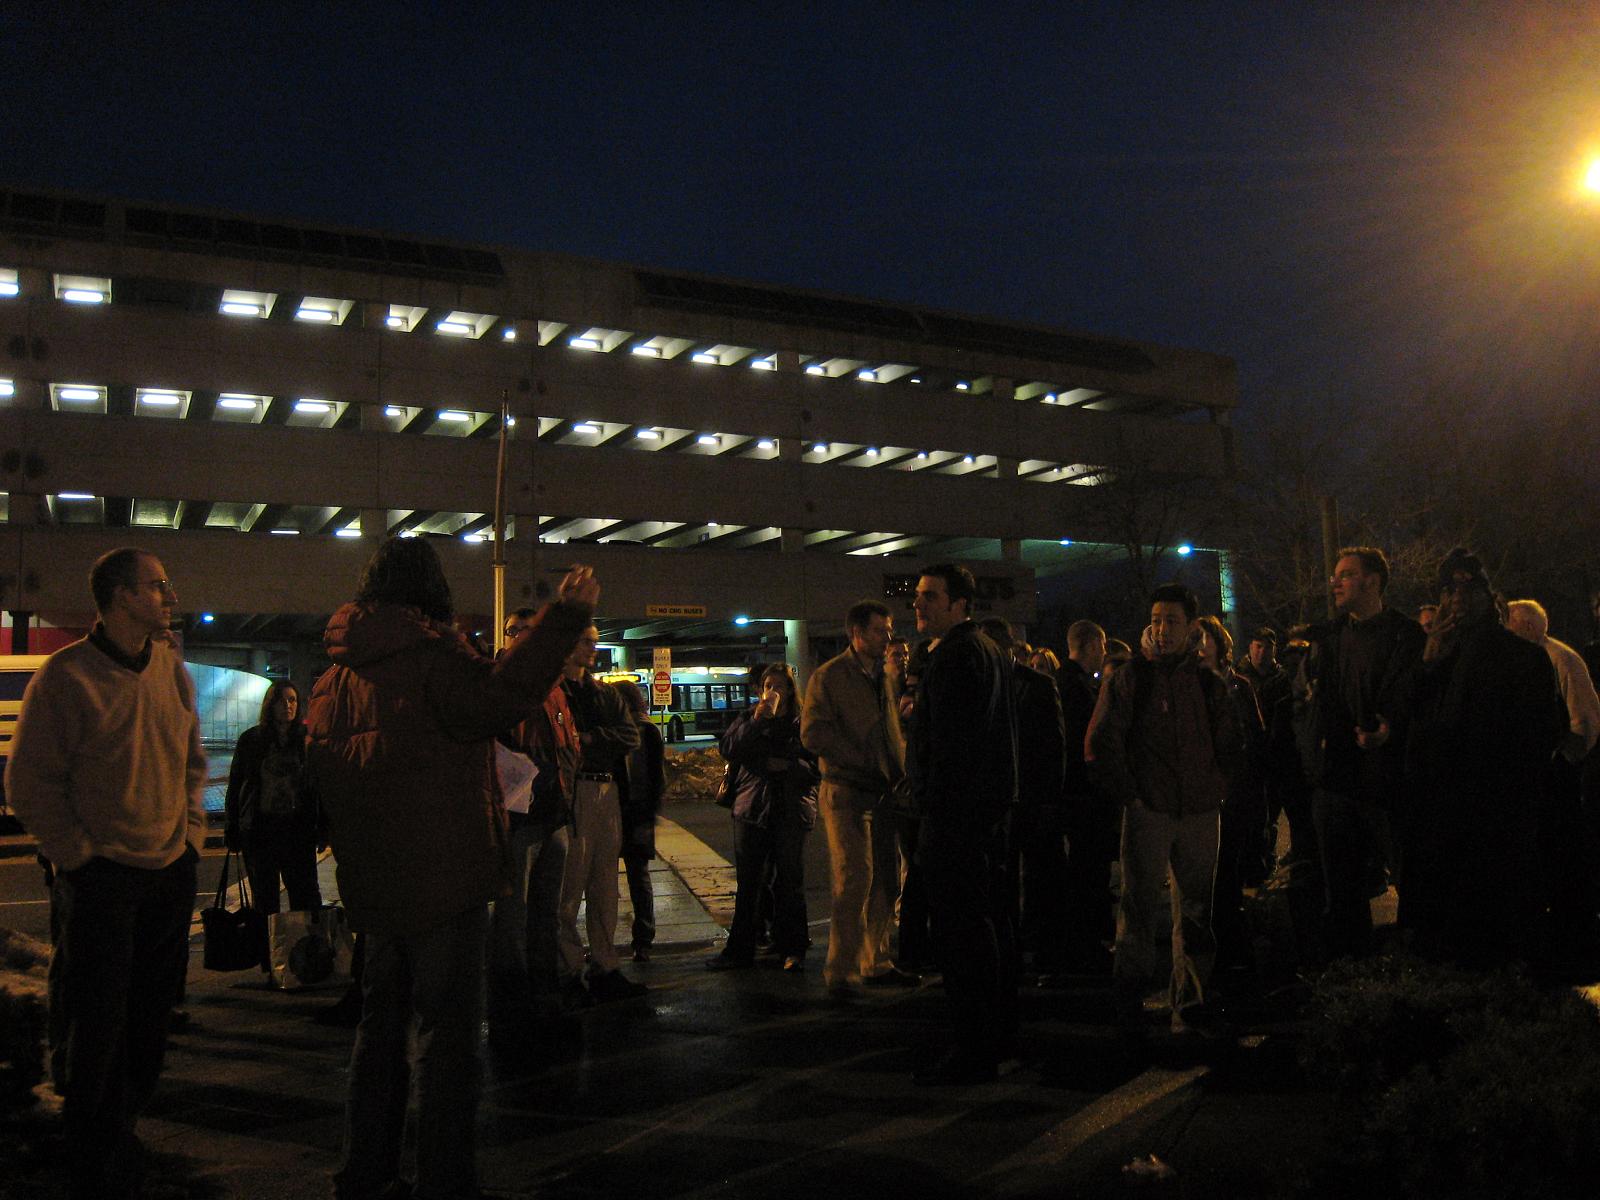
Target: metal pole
{"type": "Point", "coordinates": [500, 526]}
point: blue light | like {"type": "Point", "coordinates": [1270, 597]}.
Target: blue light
{"type": "Point", "coordinates": [1186, 549]}
{"type": "Point", "coordinates": [207, 618]}
{"type": "Point", "coordinates": [1066, 541]}
{"type": "Point", "coordinates": [741, 620]}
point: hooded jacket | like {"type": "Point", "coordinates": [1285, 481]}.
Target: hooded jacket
{"type": "Point", "coordinates": [400, 746]}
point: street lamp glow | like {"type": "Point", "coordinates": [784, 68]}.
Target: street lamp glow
{"type": "Point", "coordinates": [1591, 177]}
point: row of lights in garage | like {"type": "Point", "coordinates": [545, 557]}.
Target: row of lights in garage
{"type": "Point", "coordinates": [328, 310]}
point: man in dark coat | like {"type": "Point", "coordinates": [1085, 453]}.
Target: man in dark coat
{"type": "Point", "coordinates": [1093, 819]}
{"type": "Point", "coordinates": [1487, 717]}
{"type": "Point", "coordinates": [962, 760]}
{"type": "Point", "coordinates": [1360, 664]}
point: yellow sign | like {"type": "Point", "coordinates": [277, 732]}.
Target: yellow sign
{"type": "Point", "coordinates": [674, 610]}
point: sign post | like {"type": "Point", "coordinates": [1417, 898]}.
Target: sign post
{"type": "Point", "coordinates": [661, 678]}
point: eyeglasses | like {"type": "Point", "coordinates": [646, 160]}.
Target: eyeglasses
{"type": "Point", "coordinates": [160, 585]}
{"type": "Point", "coordinates": [1345, 575]}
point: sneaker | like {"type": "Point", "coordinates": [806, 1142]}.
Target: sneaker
{"type": "Point", "coordinates": [794, 963]}
{"type": "Point", "coordinates": [614, 986]}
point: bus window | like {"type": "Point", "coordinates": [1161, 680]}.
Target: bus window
{"type": "Point", "coordinates": [697, 697]}
{"type": "Point", "coordinates": [719, 695]}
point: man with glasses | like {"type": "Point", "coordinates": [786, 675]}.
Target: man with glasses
{"type": "Point", "coordinates": [106, 771]}
{"type": "Point", "coordinates": [1360, 664]}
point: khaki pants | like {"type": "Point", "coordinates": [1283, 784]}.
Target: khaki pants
{"type": "Point", "coordinates": [865, 870]}
{"type": "Point", "coordinates": [1181, 853]}
{"type": "Point", "coordinates": [592, 874]}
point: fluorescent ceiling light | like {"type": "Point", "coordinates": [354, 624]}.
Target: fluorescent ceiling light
{"type": "Point", "coordinates": [208, 618]}
{"type": "Point", "coordinates": [74, 496]}
{"type": "Point", "coordinates": [916, 379]}
{"type": "Point", "coordinates": [1049, 397]}
{"type": "Point", "coordinates": [867, 376]}
{"type": "Point", "coordinates": [349, 531]}
{"type": "Point", "coordinates": [7, 388]}
{"type": "Point", "coordinates": [963, 386]}
{"type": "Point", "coordinates": [1186, 549]}
{"type": "Point", "coordinates": [872, 452]}
{"type": "Point", "coordinates": [968, 460]}
{"type": "Point", "coordinates": [766, 444]}
{"type": "Point", "coordinates": [646, 351]}
{"type": "Point", "coordinates": [312, 406]}
{"type": "Point", "coordinates": [741, 620]}
{"type": "Point", "coordinates": [709, 360]}
{"type": "Point", "coordinates": [454, 414]}
{"type": "Point", "coordinates": [285, 532]}
{"type": "Point", "coordinates": [240, 308]}
{"type": "Point", "coordinates": [8, 282]}
{"type": "Point", "coordinates": [709, 439]}
{"type": "Point", "coordinates": [585, 343]}
{"type": "Point", "coordinates": [393, 322]}
{"type": "Point", "coordinates": [648, 435]}
{"type": "Point", "coordinates": [160, 399]}
{"type": "Point", "coordinates": [454, 328]}
{"type": "Point", "coordinates": [922, 456]}
{"type": "Point", "coordinates": [83, 296]}
{"type": "Point", "coordinates": [509, 333]}
{"type": "Point", "coordinates": [320, 316]}
{"type": "Point", "coordinates": [820, 448]}
{"type": "Point", "coordinates": [79, 393]}
{"type": "Point", "coordinates": [1066, 541]}
{"type": "Point", "coordinates": [394, 410]}
{"type": "Point", "coordinates": [763, 364]}
{"type": "Point", "coordinates": [586, 427]}
{"type": "Point", "coordinates": [816, 369]}
{"type": "Point", "coordinates": [237, 403]}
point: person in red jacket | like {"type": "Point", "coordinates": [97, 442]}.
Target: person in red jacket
{"type": "Point", "coordinates": [400, 743]}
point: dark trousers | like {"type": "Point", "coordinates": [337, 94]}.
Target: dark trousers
{"type": "Point", "coordinates": [1568, 859]}
{"type": "Point", "coordinates": [288, 852]}
{"type": "Point", "coordinates": [964, 866]}
{"type": "Point", "coordinates": [780, 843]}
{"type": "Point", "coordinates": [641, 894]}
{"type": "Point", "coordinates": [1088, 917]}
{"type": "Point", "coordinates": [121, 952]}
{"type": "Point", "coordinates": [1040, 860]}
{"type": "Point", "coordinates": [914, 941]}
{"type": "Point", "coordinates": [1351, 834]}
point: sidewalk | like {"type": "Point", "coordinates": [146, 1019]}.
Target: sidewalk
{"type": "Point", "coordinates": [744, 1085]}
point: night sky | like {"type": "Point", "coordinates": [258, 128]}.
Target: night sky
{"type": "Point", "coordinates": [1354, 200]}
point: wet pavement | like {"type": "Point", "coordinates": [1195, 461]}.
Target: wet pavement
{"type": "Point", "coordinates": [730, 1084]}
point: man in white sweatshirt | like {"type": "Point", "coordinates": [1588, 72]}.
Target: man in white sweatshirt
{"type": "Point", "coordinates": [106, 771]}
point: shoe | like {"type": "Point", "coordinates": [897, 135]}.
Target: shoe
{"type": "Point", "coordinates": [613, 986]}
{"type": "Point", "coordinates": [727, 962]}
{"type": "Point", "coordinates": [894, 977]}
{"type": "Point", "coordinates": [957, 1068]}
{"type": "Point", "coordinates": [794, 963]}
{"type": "Point", "coordinates": [641, 954]}
{"type": "Point", "coordinates": [345, 1014]}
{"type": "Point", "coordinates": [574, 996]}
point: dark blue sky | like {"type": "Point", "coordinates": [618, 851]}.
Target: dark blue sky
{"type": "Point", "coordinates": [1352, 199]}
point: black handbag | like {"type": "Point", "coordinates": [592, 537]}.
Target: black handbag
{"type": "Point", "coordinates": [725, 793]}
{"type": "Point", "coordinates": [235, 938]}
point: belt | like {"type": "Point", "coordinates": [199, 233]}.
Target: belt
{"type": "Point", "coordinates": [595, 776]}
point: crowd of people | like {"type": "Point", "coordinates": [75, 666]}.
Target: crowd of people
{"type": "Point", "coordinates": [990, 810]}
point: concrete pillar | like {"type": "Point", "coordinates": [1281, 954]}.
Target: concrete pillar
{"type": "Point", "coordinates": [797, 650]}
{"type": "Point", "coordinates": [1005, 468]}
{"type": "Point", "coordinates": [1011, 549]}
{"type": "Point", "coordinates": [792, 541]}
{"type": "Point", "coordinates": [374, 523]}
{"type": "Point", "coordinates": [20, 620]}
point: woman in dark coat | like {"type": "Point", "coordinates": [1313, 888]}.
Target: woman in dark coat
{"type": "Point", "coordinates": [642, 788]}
{"type": "Point", "coordinates": [270, 812]}
{"type": "Point", "coordinates": [774, 784]}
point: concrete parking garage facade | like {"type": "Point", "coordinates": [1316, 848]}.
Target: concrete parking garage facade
{"type": "Point", "coordinates": [260, 401]}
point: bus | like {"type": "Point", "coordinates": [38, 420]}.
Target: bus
{"type": "Point", "coordinates": [15, 672]}
{"type": "Point", "coordinates": [704, 699]}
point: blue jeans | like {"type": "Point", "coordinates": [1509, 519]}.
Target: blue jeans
{"type": "Point", "coordinates": [431, 980]}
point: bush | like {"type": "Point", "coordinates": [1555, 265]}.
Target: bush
{"type": "Point", "coordinates": [1458, 1084]}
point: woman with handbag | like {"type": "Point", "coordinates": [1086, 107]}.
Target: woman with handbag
{"type": "Point", "coordinates": [773, 780]}
{"type": "Point", "coordinates": [271, 813]}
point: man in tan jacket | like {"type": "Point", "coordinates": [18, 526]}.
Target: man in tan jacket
{"type": "Point", "coordinates": [851, 722]}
